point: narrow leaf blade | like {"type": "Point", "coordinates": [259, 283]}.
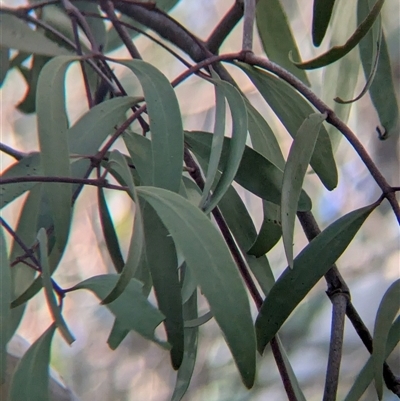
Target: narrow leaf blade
{"type": "Point", "coordinates": [322, 12]}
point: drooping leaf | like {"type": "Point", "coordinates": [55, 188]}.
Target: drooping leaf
{"type": "Point", "coordinates": [322, 12]}
{"type": "Point", "coordinates": [31, 378]}
{"type": "Point", "coordinates": [366, 374]}
{"type": "Point", "coordinates": [270, 231]}
{"type": "Point", "coordinates": [5, 301]}
{"type": "Point", "coordinates": [137, 239]}
{"type": "Point", "coordinates": [131, 308]}
{"type": "Point", "coordinates": [217, 142]}
{"type": "Point", "coordinates": [276, 36]}
{"type": "Point", "coordinates": [337, 52]}
{"type": "Point", "coordinates": [28, 166]}
{"type": "Point", "coordinates": [382, 89]}
{"type": "Point", "coordinates": [16, 34]}
{"type": "Point", "coordinates": [387, 311]}
{"type": "Point", "coordinates": [293, 177]}
{"type": "Point", "coordinates": [55, 310]}
{"type": "Point", "coordinates": [208, 257]}
{"type": "Point", "coordinates": [236, 144]}
{"type": "Point", "coordinates": [162, 262]}
{"type": "Point", "coordinates": [4, 63]}
{"type": "Point", "coordinates": [109, 233]}
{"type": "Point", "coordinates": [165, 124]}
{"type": "Point", "coordinates": [309, 266]}
{"type": "Point", "coordinates": [257, 174]}
{"type": "Point", "coordinates": [185, 371]}
{"type": "Point", "coordinates": [53, 140]}
{"type": "Point", "coordinates": [199, 321]}
{"type": "Point", "coordinates": [292, 110]}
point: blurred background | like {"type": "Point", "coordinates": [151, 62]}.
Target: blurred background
{"type": "Point", "coordinates": [141, 371]}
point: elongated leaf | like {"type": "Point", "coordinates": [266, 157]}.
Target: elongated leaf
{"type": "Point", "coordinates": [366, 374]}
{"type": "Point", "coordinates": [322, 12]}
{"type": "Point", "coordinates": [337, 52]}
{"type": "Point", "coordinates": [236, 145]}
{"type": "Point", "coordinates": [276, 36]}
{"type": "Point", "coordinates": [109, 233]}
{"type": "Point", "coordinates": [30, 381]}
{"type": "Point", "coordinates": [270, 231]}
{"type": "Point", "coordinates": [53, 140]}
{"type": "Point", "coordinates": [292, 110]}
{"type": "Point", "coordinates": [382, 89]}
{"type": "Point", "coordinates": [137, 240]}
{"type": "Point", "coordinates": [162, 262]}
{"type": "Point", "coordinates": [48, 288]}
{"type": "Point", "coordinates": [257, 174]}
{"type": "Point", "coordinates": [199, 321]}
{"type": "Point", "coordinates": [132, 308]}
{"type": "Point", "coordinates": [185, 371]}
{"type": "Point", "coordinates": [165, 124]}
{"type": "Point", "coordinates": [309, 266]}
{"type": "Point", "coordinates": [4, 63]}
{"type": "Point", "coordinates": [293, 177]}
{"type": "Point", "coordinates": [387, 311]}
{"type": "Point", "coordinates": [216, 147]}
{"type": "Point", "coordinates": [96, 25]}
{"type": "Point", "coordinates": [208, 257]}
{"type": "Point", "coordinates": [28, 166]}
{"type": "Point", "coordinates": [5, 301]}
{"type": "Point", "coordinates": [16, 34]}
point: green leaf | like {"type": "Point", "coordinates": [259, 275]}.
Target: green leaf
{"type": "Point", "coordinates": [53, 141]}
{"type": "Point", "coordinates": [199, 321]}
{"type": "Point", "coordinates": [292, 109]}
{"type": "Point", "coordinates": [165, 124]}
{"type": "Point", "coordinates": [5, 301]}
{"type": "Point", "coordinates": [4, 63]}
{"type": "Point", "coordinates": [256, 174]}
{"type": "Point", "coordinates": [132, 308]}
{"type": "Point", "coordinates": [109, 233]}
{"type": "Point", "coordinates": [16, 34]}
{"type": "Point", "coordinates": [270, 231]}
{"type": "Point", "coordinates": [26, 167]}
{"type": "Point", "coordinates": [117, 334]}
{"type": "Point", "coordinates": [293, 177]}
{"type": "Point", "coordinates": [387, 311]}
{"type": "Point", "coordinates": [208, 257]}
{"type": "Point", "coordinates": [216, 147]}
{"type": "Point", "coordinates": [55, 310]}
{"type": "Point", "coordinates": [322, 12]}
{"type": "Point", "coordinates": [137, 239]}
{"type": "Point", "coordinates": [237, 143]}
{"type": "Point", "coordinates": [30, 381]}
{"type": "Point", "coordinates": [337, 52]}
{"type": "Point", "coordinates": [162, 262]}
{"type": "Point", "coordinates": [276, 36]}
{"type": "Point", "coordinates": [185, 371]}
{"type": "Point", "coordinates": [382, 89]}
{"type": "Point", "coordinates": [309, 266]}
{"type": "Point", "coordinates": [366, 374]}
{"type": "Point", "coordinates": [96, 25]}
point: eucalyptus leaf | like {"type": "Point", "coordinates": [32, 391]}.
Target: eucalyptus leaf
{"type": "Point", "coordinates": [322, 12]}
{"type": "Point", "coordinates": [4, 63]}
{"type": "Point", "coordinates": [309, 266]}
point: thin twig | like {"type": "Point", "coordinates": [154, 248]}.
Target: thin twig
{"type": "Point", "coordinates": [16, 154]}
{"type": "Point", "coordinates": [248, 25]}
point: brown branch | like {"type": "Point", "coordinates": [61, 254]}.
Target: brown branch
{"type": "Point", "coordinates": [248, 25]}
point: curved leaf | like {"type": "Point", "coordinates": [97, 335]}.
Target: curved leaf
{"type": "Point", "coordinates": [366, 374]}
{"type": "Point", "coordinates": [53, 141]}
{"type": "Point", "coordinates": [16, 34]}
{"type": "Point", "coordinates": [293, 177]}
{"type": "Point", "coordinates": [309, 266]}
{"type": "Point", "coordinates": [55, 310]}
{"type": "Point", "coordinates": [165, 124]}
{"type": "Point", "coordinates": [131, 308]}
{"type": "Point", "coordinates": [5, 301]}
{"type": "Point", "coordinates": [382, 89]}
{"type": "Point", "coordinates": [387, 311]}
{"type": "Point", "coordinates": [322, 12]}
{"type": "Point", "coordinates": [137, 240]}
{"type": "Point", "coordinates": [256, 174]}
{"type": "Point", "coordinates": [276, 36]}
{"type": "Point", "coordinates": [292, 109]}
{"type": "Point", "coordinates": [337, 52]}
{"type": "Point", "coordinates": [31, 378]}
{"type": "Point", "coordinates": [208, 257]}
